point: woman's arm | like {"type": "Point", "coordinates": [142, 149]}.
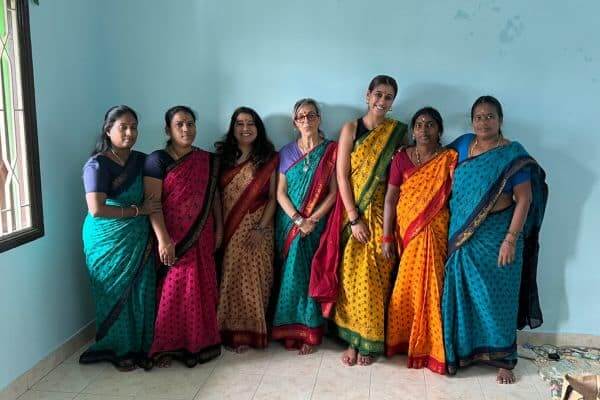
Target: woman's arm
{"type": "Point", "coordinates": [282, 197]}
{"type": "Point", "coordinates": [522, 195]}
{"type": "Point", "coordinates": [389, 221]}
{"type": "Point", "coordinates": [166, 247]}
{"type": "Point", "coordinates": [342, 166]}
{"type": "Point", "coordinates": [98, 208]}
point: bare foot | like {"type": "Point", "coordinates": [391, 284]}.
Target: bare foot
{"type": "Point", "coordinates": [164, 362]}
{"type": "Point", "coordinates": [126, 365]}
{"type": "Point", "coordinates": [349, 357]}
{"type": "Point", "coordinates": [241, 349]}
{"type": "Point", "coordinates": [505, 376]}
{"type": "Point", "coordinates": [364, 360]}
{"type": "Point", "coordinates": [306, 349]}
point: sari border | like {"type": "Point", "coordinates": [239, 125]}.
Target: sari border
{"type": "Point", "coordinates": [114, 313]}
{"type": "Point", "coordinates": [245, 202]}
{"type": "Point", "coordinates": [194, 233]}
{"type": "Point", "coordinates": [494, 356]}
{"type": "Point", "coordinates": [487, 203]}
{"type": "Point", "coordinates": [357, 341]}
{"type": "Point", "coordinates": [235, 338]}
{"type": "Point", "coordinates": [417, 361]}
{"type": "Point", "coordinates": [298, 333]}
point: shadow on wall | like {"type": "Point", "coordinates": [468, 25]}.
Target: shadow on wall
{"type": "Point", "coordinates": [562, 219]}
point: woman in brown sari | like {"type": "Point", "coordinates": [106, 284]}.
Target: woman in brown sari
{"type": "Point", "coordinates": [248, 184]}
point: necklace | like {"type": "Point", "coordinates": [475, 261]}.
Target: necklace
{"type": "Point", "coordinates": [476, 143]}
{"type": "Point", "coordinates": [117, 156]}
{"type": "Point", "coordinates": [418, 155]}
{"type": "Point", "coordinates": [306, 152]}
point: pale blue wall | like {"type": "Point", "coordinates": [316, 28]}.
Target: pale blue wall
{"type": "Point", "coordinates": [44, 296]}
{"type": "Point", "coordinates": [540, 58]}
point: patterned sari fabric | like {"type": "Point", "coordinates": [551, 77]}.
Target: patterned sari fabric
{"type": "Point", "coordinates": [364, 274]}
{"type": "Point", "coordinates": [483, 304]}
{"type": "Point", "coordinates": [414, 313]}
{"type": "Point", "coordinates": [298, 317]}
{"type": "Point", "coordinates": [246, 281]}
{"type": "Point", "coordinates": [121, 267]}
{"type": "Point", "coordinates": [186, 320]}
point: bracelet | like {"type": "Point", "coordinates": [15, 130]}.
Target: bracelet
{"type": "Point", "coordinates": [298, 221]}
{"type": "Point", "coordinates": [137, 210]}
{"type": "Point", "coordinates": [122, 212]}
{"type": "Point", "coordinates": [355, 221]}
{"type": "Point", "coordinates": [388, 239]}
{"type": "Point", "coordinates": [510, 242]}
{"type": "Point", "coordinates": [514, 234]}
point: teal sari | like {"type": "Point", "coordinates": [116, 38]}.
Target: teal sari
{"type": "Point", "coordinates": [121, 267]}
{"type": "Point", "coordinates": [483, 304]}
{"type": "Point", "coordinates": [298, 317]}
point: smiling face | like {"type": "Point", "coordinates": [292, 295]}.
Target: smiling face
{"type": "Point", "coordinates": [486, 121]}
{"type": "Point", "coordinates": [380, 99]}
{"type": "Point", "coordinates": [182, 129]}
{"type": "Point", "coordinates": [426, 130]}
{"type": "Point", "coordinates": [244, 129]}
{"type": "Point", "coordinates": [123, 133]}
{"type": "Point", "coordinates": [307, 120]}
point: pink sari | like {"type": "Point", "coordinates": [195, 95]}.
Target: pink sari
{"type": "Point", "coordinates": [186, 318]}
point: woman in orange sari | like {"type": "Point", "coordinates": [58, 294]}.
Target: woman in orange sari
{"type": "Point", "coordinates": [416, 225]}
{"type": "Point", "coordinates": [247, 184]}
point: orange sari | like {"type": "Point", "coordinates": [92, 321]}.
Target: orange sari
{"type": "Point", "coordinates": [414, 312]}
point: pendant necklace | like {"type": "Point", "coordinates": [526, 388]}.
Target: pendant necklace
{"type": "Point", "coordinates": [117, 157]}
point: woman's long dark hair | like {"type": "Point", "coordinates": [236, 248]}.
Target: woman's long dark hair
{"type": "Point", "coordinates": [262, 148]}
{"type": "Point", "coordinates": [112, 115]}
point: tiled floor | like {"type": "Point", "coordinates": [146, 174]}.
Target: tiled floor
{"type": "Point", "coordinates": [279, 374]}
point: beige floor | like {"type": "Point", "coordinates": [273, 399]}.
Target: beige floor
{"type": "Point", "coordinates": [279, 374]}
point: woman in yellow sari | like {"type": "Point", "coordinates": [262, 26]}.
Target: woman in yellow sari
{"type": "Point", "coordinates": [366, 147]}
{"type": "Point", "coordinates": [416, 225]}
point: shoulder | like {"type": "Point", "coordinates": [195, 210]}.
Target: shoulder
{"type": "Point", "coordinates": [288, 148]}
{"type": "Point", "coordinates": [462, 140]}
{"type": "Point", "coordinates": [96, 162]}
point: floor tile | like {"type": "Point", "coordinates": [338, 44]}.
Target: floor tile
{"type": "Point", "coordinates": [115, 383]}
{"type": "Point", "coordinates": [398, 390]}
{"type": "Point", "coordinates": [175, 383]}
{"type": "Point", "coordinates": [70, 377]}
{"type": "Point", "coordinates": [37, 395]}
{"type": "Point", "coordinates": [462, 391]}
{"type": "Point", "coordinates": [332, 388]}
{"type": "Point", "coordinates": [84, 396]}
{"type": "Point", "coordinates": [287, 388]}
{"type": "Point", "coordinates": [386, 371]}
{"type": "Point", "coordinates": [225, 385]}
{"type": "Point", "coordinates": [290, 364]}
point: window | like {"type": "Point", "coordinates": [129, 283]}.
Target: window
{"type": "Point", "coordinates": [20, 194]}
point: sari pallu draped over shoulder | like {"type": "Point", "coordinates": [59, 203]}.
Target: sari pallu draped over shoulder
{"type": "Point", "coordinates": [186, 321]}
{"type": "Point", "coordinates": [361, 294]}
{"type": "Point", "coordinates": [414, 324]}
{"type": "Point", "coordinates": [121, 267]}
{"type": "Point", "coordinates": [298, 318]}
{"type": "Point", "coordinates": [483, 304]}
{"type": "Point", "coordinates": [246, 281]}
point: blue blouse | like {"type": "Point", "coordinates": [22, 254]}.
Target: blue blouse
{"type": "Point", "coordinates": [99, 171]}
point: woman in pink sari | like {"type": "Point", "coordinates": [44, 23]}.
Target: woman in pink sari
{"type": "Point", "coordinates": [188, 231]}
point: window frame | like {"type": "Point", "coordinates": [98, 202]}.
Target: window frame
{"type": "Point", "coordinates": [36, 230]}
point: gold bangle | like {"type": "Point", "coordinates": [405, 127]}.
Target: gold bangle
{"type": "Point", "coordinates": [514, 234]}
{"type": "Point", "coordinates": [122, 212]}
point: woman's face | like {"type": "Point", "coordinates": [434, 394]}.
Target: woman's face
{"type": "Point", "coordinates": [380, 99]}
{"type": "Point", "coordinates": [486, 121]}
{"type": "Point", "coordinates": [182, 129]}
{"type": "Point", "coordinates": [307, 120]}
{"type": "Point", "coordinates": [426, 130]}
{"type": "Point", "coordinates": [123, 132]}
{"type": "Point", "coordinates": [244, 129]}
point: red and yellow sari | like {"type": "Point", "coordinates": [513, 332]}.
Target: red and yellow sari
{"type": "Point", "coordinates": [414, 323]}
{"type": "Point", "coordinates": [186, 320]}
{"type": "Point", "coordinates": [246, 279]}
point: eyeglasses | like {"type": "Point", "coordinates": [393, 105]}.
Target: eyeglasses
{"type": "Point", "coordinates": [311, 116]}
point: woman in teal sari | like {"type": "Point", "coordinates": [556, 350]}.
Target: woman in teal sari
{"type": "Point", "coordinates": [498, 200]}
{"type": "Point", "coordinates": [117, 245]}
{"type": "Point", "coordinates": [306, 192]}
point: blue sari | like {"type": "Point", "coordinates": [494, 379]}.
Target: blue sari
{"type": "Point", "coordinates": [298, 317]}
{"type": "Point", "coordinates": [121, 267]}
{"type": "Point", "coordinates": [483, 304]}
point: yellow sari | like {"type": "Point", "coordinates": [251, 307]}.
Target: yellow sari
{"type": "Point", "coordinates": [414, 324]}
{"type": "Point", "coordinates": [364, 274]}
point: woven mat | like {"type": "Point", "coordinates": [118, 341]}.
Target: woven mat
{"type": "Point", "coordinates": [573, 361]}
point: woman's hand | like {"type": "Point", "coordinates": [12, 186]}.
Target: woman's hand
{"type": "Point", "coordinates": [388, 250]}
{"type": "Point", "coordinates": [166, 252]}
{"type": "Point", "coordinates": [150, 205]}
{"type": "Point", "coordinates": [506, 255]}
{"type": "Point", "coordinates": [308, 226]}
{"type": "Point", "coordinates": [361, 232]}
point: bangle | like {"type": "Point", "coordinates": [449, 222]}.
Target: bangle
{"type": "Point", "coordinates": [514, 234]}
{"type": "Point", "coordinates": [298, 220]}
{"type": "Point", "coordinates": [122, 212]}
{"type": "Point", "coordinates": [137, 210]}
{"type": "Point", "coordinates": [510, 242]}
{"type": "Point", "coordinates": [388, 239]}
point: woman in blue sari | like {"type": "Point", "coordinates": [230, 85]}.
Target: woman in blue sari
{"type": "Point", "coordinates": [306, 192]}
{"type": "Point", "coordinates": [117, 246]}
{"type": "Point", "coordinates": [498, 200]}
